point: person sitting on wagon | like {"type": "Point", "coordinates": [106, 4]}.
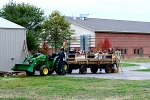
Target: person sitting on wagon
{"type": "Point", "coordinates": [110, 51]}
{"type": "Point", "coordinates": [100, 57]}
{"type": "Point", "coordinates": [105, 52]}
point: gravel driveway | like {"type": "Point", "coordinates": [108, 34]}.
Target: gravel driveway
{"type": "Point", "coordinates": [127, 73]}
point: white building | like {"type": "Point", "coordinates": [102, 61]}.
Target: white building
{"type": "Point", "coordinates": [12, 37]}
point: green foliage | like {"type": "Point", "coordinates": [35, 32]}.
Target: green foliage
{"type": "Point", "coordinates": [56, 28]}
{"type": "Point", "coordinates": [28, 16]}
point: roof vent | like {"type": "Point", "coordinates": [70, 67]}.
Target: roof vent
{"type": "Point", "coordinates": [73, 17]}
{"type": "Point", "coordinates": [83, 16]}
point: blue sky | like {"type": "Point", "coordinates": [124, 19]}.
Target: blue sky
{"type": "Point", "coordinates": [135, 10]}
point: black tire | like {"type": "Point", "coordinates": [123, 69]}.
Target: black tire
{"type": "Point", "coordinates": [66, 67]}
{"type": "Point", "coordinates": [44, 70]}
{"type": "Point", "coordinates": [69, 70]}
{"type": "Point", "coordinates": [57, 67]}
{"type": "Point", "coordinates": [108, 68]}
{"type": "Point", "coordinates": [94, 69]}
{"type": "Point", "coordinates": [83, 69]}
{"type": "Point", "coordinates": [30, 73]}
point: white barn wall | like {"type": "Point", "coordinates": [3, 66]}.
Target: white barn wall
{"type": "Point", "coordinates": [82, 31]}
{"type": "Point", "coordinates": [11, 46]}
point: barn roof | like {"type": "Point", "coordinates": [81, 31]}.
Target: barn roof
{"type": "Point", "coordinates": [105, 25]}
{"type": "Point", "coordinates": [8, 24]}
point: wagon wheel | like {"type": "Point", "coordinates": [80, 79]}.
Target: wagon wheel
{"type": "Point", "coordinates": [44, 70]}
{"type": "Point", "coordinates": [108, 68]}
{"type": "Point", "coordinates": [83, 69]}
{"type": "Point", "coordinates": [94, 69]}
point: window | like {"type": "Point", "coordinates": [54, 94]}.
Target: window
{"type": "Point", "coordinates": [138, 51]}
{"type": "Point", "coordinates": [125, 51]}
{"type": "Point", "coordinates": [134, 51]}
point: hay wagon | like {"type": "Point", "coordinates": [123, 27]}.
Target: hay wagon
{"type": "Point", "coordinates": [108, 62]}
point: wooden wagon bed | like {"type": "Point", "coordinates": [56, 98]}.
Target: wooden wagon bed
{"type": "Point", "coordinates": [83, 59]}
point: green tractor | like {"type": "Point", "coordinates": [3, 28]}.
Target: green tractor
{"type": "Point", "coordinates": [45, 64]}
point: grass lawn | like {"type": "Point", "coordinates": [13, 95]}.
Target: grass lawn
{"type": "Point", "coordinates": [71, 88]}
{"type": "Point", "coordinates": [129, 65]}
{"type": "Point", "coordinates": [139, 60]}
{"type": "Point", "coordinates": [143, 70]}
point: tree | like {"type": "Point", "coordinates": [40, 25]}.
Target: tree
{"type": "Point", "coordinates": [99, 46]}
{"type": "Point", "coordinates": [45, 48]}
{"type": "Point", "coordinates": [56, 28]}
{"type": "Point", "coordinates": [106, 44]}
{"type": "Point", "coordinates": [28, 16]}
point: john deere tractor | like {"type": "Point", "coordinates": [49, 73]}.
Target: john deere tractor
{"type": "Point", "coordinates": [45, 64]}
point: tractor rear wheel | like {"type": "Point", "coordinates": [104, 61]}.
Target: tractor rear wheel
{"type": "Point", "coordinates": [66, 67]}
{"type": "Point", "coordinates": [108, 68]}
{"type": "Point", "coordinates": [83, 69]}
{"type": "Point", "coordinates": [94, 69]}
{"type": "Point", "coordinates": [57, 67]}
{"type": "Point", "coordinates": [44, 70]}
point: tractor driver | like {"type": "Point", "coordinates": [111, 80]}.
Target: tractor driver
{"type": "Point", "coordinates": [36, 54]}
{"type": "Point", "coordinates": [62, 57]}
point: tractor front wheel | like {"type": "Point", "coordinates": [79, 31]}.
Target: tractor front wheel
{"type": "Point", "coordinates": [44, 70]}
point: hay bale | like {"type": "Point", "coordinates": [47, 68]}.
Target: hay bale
{"type": "Point", "coordinates": [116, 70]}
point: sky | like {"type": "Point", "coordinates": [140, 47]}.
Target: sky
{"type": "Point", "coordinates": [134, 10]}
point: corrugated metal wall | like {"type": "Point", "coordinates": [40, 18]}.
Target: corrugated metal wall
{"type": "Point", "coordinates": [78, 41]}
{"type": "Point", "coordinates": [11, 46]}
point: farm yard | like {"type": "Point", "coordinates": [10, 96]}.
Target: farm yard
{"type": "Point", "coordinates": [101, 86]}
{"type": "Point", "coordinates": [59, 57]}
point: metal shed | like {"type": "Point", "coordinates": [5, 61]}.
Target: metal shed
{"type": "Point", "coordinates": [12, 37]}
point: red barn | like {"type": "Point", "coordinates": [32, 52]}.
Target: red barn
{"type": "Point", "coordinates": [131, 37]}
